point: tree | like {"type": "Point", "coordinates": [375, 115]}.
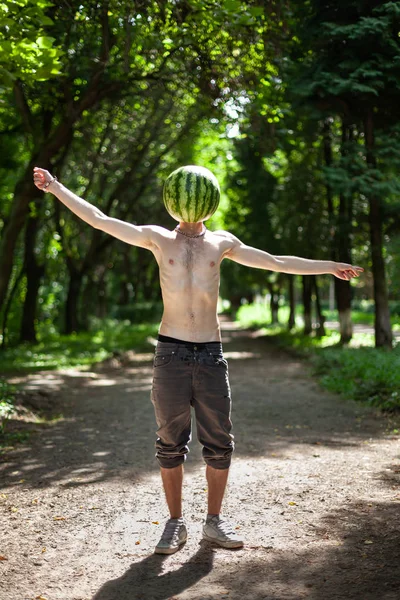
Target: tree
{"type": "Point", "coordinates": [341, 76]}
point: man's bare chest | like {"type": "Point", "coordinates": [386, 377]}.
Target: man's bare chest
{"type": "Point", "coordinates": [190, 261]}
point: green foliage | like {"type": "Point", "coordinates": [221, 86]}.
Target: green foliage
{"type": "Point", "coordinates": [371, 375]}
{"type": "Point", "coordinates": [26, 52]}
{"type": "Point", "coordinates": [59, 351]}
{"type": "Point", "coordinates": [359, 372]}
{"type": "Point", "coordinates": [7, 406]}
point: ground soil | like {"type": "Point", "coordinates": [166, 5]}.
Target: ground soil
{"type": "Point", "coordinates": [313, 489]}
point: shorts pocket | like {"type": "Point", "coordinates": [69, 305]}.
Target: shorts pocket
{"type": "Point", "coordinates": [162, 359]}
{"type": "Point", "coordinates": [216, 360]}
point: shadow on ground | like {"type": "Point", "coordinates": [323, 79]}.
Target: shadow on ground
{"type": "Point", "coordinates": [358, 559]}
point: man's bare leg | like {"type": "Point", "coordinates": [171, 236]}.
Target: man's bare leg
{"type": "Point", "coordinates": [216, 479]}
{"type": "Point", "coordinates": [217, 529]}
{"type": "Point", "coordinates": [172, 480]}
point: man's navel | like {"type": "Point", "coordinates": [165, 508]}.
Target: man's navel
{"type": "Point", "coordinates": [171, 261]}
{"type": "Point", "coordinates": [212, 264]}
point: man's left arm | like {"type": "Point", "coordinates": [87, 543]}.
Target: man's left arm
{"type": "Point", "coordinates": [252, 257]}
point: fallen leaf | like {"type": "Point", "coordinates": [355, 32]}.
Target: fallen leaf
{"type": "Point", "coordinates": [3, 557]}
{"type": "Point", "coordinates": [368, 542]}
{"type": "Point", "coordinates": [238, 527]}
{"type": "Point", "coordinates": [40, 598]}
{"type": "Point", "coordinates": [3, 495]}
{"type": "Point", "coordinates": [14, 509]}
{"type": "Point", "coordinates": [21, 481]}
{"type": "Point", "coordinates": [278, 571]}
{"type": "Point", "coordinates": [292, 503]}
{"type": "Point", "coordinates": [43, 550]}
{"type": "Point", "coordinates": [59, 518]}
{"type": "Point", "coordinates": [137, 543]}
{"type": "Point", "coordinates": [155, 522]}
{"type": "Point", "coordinates": [35, 501]}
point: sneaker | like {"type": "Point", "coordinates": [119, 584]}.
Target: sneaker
{"type": "Point", "coordinates": [221, 532]}
{"type": "Point", "coordinates": [174, 535]}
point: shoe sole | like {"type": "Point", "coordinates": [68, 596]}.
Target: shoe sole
{"type": "Point", "coordinates": [221, 543]}
{"type": "Point", "coordinates": [169, 550]}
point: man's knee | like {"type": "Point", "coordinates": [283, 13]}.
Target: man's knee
{"type": "Point", "coordinates": [219, 456]}
{"type": "Point", "coordinates": [172, 453]}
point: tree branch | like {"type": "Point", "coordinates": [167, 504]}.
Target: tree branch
{"type": "Point", "coordinates": [23, 107]}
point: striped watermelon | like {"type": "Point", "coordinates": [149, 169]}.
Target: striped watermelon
{"type": "Point", "coordinates": [191, 194]}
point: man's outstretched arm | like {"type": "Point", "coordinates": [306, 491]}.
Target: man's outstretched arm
{"type": "Point", "coordinates": [136, 235]}
{"type": "Point", "coordinates": [252, 257]}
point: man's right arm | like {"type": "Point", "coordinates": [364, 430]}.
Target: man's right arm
{"type": "Point", "coordinates": [142, 236]}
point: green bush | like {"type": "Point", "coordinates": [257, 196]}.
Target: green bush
{"type": "Point", "coordinates": [85, 348]}
{"type": "Point", "coordinates": [7, 394]}
{"type": "Point", "coordinates": [361, 372]}
{"type": "Point", "coordinates": [371, 375]}
{"type": "Point", "coordinates": [141, 312]}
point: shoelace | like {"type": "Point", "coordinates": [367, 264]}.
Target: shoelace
{"type": "Point", "coordinates": [224, 526]}
{"type": "Point", "coordinates": [171, 531]}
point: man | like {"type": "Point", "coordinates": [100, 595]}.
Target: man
{"type": "Point", "coordinates": [189, 366]}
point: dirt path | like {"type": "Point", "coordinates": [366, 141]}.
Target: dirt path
{"type": "Point", "coordinates": [314, 488]}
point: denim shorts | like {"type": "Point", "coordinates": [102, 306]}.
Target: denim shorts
{"type": "Point", "coordinates": [189, 375]}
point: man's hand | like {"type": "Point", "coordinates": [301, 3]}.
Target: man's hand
{"type": "Point", "coordinates": [345, 271]}
{"type": "Point", "coordinates": [41, 177]}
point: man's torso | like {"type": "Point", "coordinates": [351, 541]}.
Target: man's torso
{"type": "Point", "coordinates": [189, 278]}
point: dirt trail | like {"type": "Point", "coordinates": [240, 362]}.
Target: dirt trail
{"type": "Point", "coordinates": [313, 487]}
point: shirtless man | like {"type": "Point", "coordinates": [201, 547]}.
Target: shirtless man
{"type": "Point", "coordinates": [189, 367]}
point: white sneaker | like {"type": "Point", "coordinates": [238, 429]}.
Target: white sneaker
{"type": "Point", "coordinates": [221, 532]}
{"type": "Point", "coordinates": [174, 535]}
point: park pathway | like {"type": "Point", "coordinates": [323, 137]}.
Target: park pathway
{"type": "Point", "coordinates": [313, 488]}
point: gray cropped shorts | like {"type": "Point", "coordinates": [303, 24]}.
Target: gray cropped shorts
{"type": "Point", "coordinates": [185, 376]}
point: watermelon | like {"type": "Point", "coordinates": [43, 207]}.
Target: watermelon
{"type": "Point", "coordinates": [191, 194]}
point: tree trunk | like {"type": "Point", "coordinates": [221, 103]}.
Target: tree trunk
{"type": "Point", "coordinates": [25, 192]}
{"type": "Point", "coordinates": [292, 303]}
{"type": "Point", "coordinates": [343, 245]}
{"type": "Point", "coordinates": [274, 291]}
{"type": "Point", "coordinates": [383, 329]}
{"type": "Point", "coordinates": [320, 328]}
{"type": "Point", "coordinates": [71, 307]}
{"type": "Point", "coordinates": [307, 292]}
{"type": "Point", "coordinates": [34, 273]}
{"type": "Point", "coordinates": [101, 304]}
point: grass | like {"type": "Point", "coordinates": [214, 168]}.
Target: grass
{"type": "Point", "coordinates": [56, 351]}
{"type": "Point", "coordinates": [358, 371]}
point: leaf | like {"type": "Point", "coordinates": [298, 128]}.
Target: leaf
{"type": "Point", "coordinates": [3, 557]}
{"type": "Point", "coordinates": [291, 503]}
{"type": "Point", "coordinates": [59, 518]}
{"type": "Point", "coordinates": [137, 543]}
{"type": "Point", "coordinates": [368, 542]}
{"type": "Point", "coordinates": [44, 550]}
{"type": "Point", "coordinates": [155, 522]}
{"type": "Point", "coordinates": [45, 41]}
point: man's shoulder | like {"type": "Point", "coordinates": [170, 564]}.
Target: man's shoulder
{"type": "Point", "coordinates": [226, 236]}
{"type": "Point", "coordinates": [158, 232]}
